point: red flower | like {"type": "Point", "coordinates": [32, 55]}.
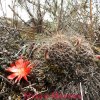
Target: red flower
{"type": "Point", "coordinates": [98, 57]}
{"type": "Point", "coordinates": [20, 69]}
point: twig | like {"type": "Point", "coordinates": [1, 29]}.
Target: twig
{"type": "Point", "coordinates": [81, 90]}
{"type": "Point", "coordinates": [5, 79]}
{"type": "Point", "coordinates": [19, 16]}
{"type": "Point", "coordinates": [23, 48]}
{"type": "Point", "coordinates": [28, 86]}
{"type": "Point", "coordinates": [5, 27]}
{"type": "Point", "coordinates": [2, 93]}
{"type": "Point", "coordinates": [31, 98]}
{"type": "Point", "coordinates": [22, 19]}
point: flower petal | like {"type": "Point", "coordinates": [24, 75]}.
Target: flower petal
{"type": "Point", "coordinates": [27, 70]}
{"type": "Point", "coordinates": [19, 63]}
{"type": "Point", "coordinates": [26, 63]}
{"type": "Point", "coordinates": [25, 78]}
{"type": "Point", "coordinates": [12, 69]}
{"type": "Point", "coordinates": [12, 64]}
{"type": "Point", "coordinates": [12, 76]}
{"type": "Point", "coordinates": [18, 78]}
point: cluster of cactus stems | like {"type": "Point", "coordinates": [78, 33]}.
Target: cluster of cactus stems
{"type": "Point", "coordinates": [61, 65]}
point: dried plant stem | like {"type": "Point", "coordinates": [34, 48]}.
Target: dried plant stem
{"type": "Point", "coordinates": [31, 98]}
{"type": "Point", "coordinates": [81, 90]}
{"type": "Point", "coordinates": [5, 79]}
